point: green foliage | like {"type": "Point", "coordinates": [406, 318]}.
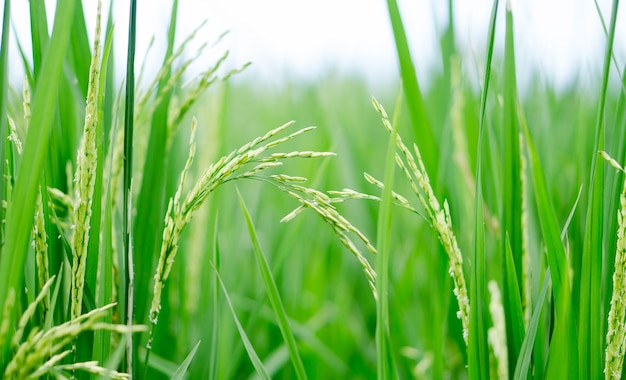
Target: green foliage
{"type": "Point", "coordinates": [481, 192]}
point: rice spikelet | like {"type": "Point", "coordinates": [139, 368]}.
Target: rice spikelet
{"type": "Point", "coordinates": [616, 334]}
{"type": "Point", "coordinates": [496, 335]}
{"type": "Point", "coordinates": [85, 179]}
{"type": "Point", "coordinates": [440, 219]}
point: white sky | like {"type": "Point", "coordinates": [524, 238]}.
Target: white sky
{"type": "Point", "coordinates": [305, 38]}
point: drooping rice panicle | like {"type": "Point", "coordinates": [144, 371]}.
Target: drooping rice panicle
{"type": "Point", "coordinates": [143, 105]}
{"type": "Point", "coordinates": [322, 205]}
{"type": "Point", "coordinates": [93, 368]}
{"type": "Point", "coordinates": [47, 346]}
{"type": "Point", "coordinates": [171, 233]}
{"type": "Point", "coordinates": [497, 333]}
{"type": "Point", "coordinates": [616, 333]}
{"type": "Point", "coordinates": [85, 178]}
{"type": "Point", "coordinates": [439, 217]}
{"type": "Point", "coordinates": [178, 215]}
{"type": "Point", "coordinates": [202, 82]}
{"type": "Point", "coordinates": [30, 311]}
{"type": "Point", "coordinates": [227, 169]}
{"type": "Point", "coordinates": [398, 199]}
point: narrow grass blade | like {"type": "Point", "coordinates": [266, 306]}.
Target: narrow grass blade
{"type": "Point", "coordinates": [477, 350]}
{"type": "Point", "coordinates": [419, 119]}
{"type": "Point", "coordinates": [273, 295]}
{"type": "Point", "coordinates": [615, 179]}
{"type": "Point", "coordinates": [515, 336]}
{"type": "Point", "coordinates": [39, 33]}
{"type": "Point", "coordinates": [182, 370]}
{"type": "Point", "coordinates": [80, 53]}
{"type": "Point", "coordinates": [215, 310]}
{"type": "Point", "coordinates": [254, 358]}
{"type": "Point", "coordinates": [526, 351]}
{"type": "Point", "coordinates": [384, 363]}
{"type": "Point", "coordinates": [151, 200]}
{"type": "Point", "coordinates": [557, 262]}
{"type": "Point", "coordinates": [511, 199]}
{"type": "Point", "coordinates": [115, 357]}
{"type": "Point", "coordinates": [158, 363]}
{"type": "Point", "coordinates": [592, 320]}
{"type": "Point", "coordinates": [4, 93]}
{"type": "Point", "coordinates": [127, 281]}
{"type": "Point", "coordinates": [20, 212]}
{"type": "Point", "coordinates": [478, 365]}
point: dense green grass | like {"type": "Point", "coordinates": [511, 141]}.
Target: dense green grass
{"type": "Point", "coordinates": [219, 267]}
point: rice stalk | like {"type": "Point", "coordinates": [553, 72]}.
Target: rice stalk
{"type": "Point", "coordinates": [616, 334]}
{"type": "Point", "coordinates": [85, 178]}
{"type": "Point", "coordinates": [439, 217]}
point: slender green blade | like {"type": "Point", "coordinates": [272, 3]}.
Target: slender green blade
{"type": "Point", "coordinates": [254, 358]}
{"type": "Point", "coordinates": [151, 200]}
{"type": "Point", "coordinates": [184, 366]}
{"type": "Point", "coordinates": [385, 366]}
{"type": "Point", "coordinates": [39, 32]}
{"type": "Point", "coordinates": [4, 92]}
{"type": "Point", "coordinates": [557, 262]}
{"type": "Point", "coordinates": [215, 303]}
{"type": "Point", "coordinates": [478, 365]}
{"type": "Point", "coordinates": [20, 212]}
{"type": "Point", "coordinates": [511, 200]}
{"type": "Point", "coordinates": [516, 335]}
{"type": "Point", "coordinates": [525, 355]}
{"type": "Point", "coordinates": [127, 281]}
{"type": "Point", "coordinates": [273, 294]}
{"type": "Point", "coordinates": [592, 320]}
{"type": "Point", "coordinates": [423, 132]}
{"type": "Point", "coordinates": [79, 52]}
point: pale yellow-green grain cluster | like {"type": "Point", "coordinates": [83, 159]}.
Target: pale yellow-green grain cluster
{"type": "Point", "coordinates": [85, 179]}
{"type": "Point", "coordinates": [13, 137]}
{"type": "Point", "coordinates": [616, 334]}
{"type": "Point", "coordinates": [322, 205]}
{"type": "Point", "coordinates": [246, 162]}
{"type": "Point", "coordinates": [496, 334]}
{"type": "Point", "coordinates": [414, 171]}
{"type": "Point", "coordinates": [43, 350]}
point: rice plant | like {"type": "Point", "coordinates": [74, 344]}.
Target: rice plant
{"type": "Point", "coordinates": [150, 228]}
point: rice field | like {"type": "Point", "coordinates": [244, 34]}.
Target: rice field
{"type": "Point", "coordinates": [211, 228]}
